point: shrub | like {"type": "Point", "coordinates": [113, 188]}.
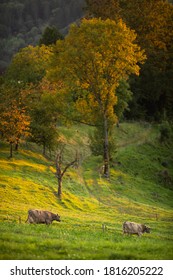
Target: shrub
{"type": "Point", "coordinates": [166, 132]}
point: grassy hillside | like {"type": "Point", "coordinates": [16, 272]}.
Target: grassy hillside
{"type": "Point", "coordinates": [136, 191]}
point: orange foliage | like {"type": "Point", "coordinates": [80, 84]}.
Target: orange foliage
{"type": "Point", "coordinates": [92, 60]}
{"type": "Point", "coordinates": [14, 123]}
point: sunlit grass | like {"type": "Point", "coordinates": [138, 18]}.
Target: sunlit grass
{"type": "Point", "coordinates": [89, 200]}
{"type": "Point", "coordinates": [72, 240]}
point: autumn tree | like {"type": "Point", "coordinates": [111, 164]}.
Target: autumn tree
{"type": "Point", "coordinates": [42, 97]}
{"type": "Point", "coordinates": [92, 60]}
{"type": "Point", "coordinates": [103, 9]}
{"type": "Point", "coordinates": [29, 65]}
{"type": "Point", "coordinates": [26, 71]}
{"type": "Point", "coordinates": [14, 125]}
{"type": "Point", "coordinates": [25, 81]}
{"type": "Point", "coordinates": [14, 118]}
{"type": "Point", "coordinates": [152, 20]}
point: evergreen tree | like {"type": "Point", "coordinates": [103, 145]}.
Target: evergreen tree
{"type": "Point", "coordinates": [50, 36]}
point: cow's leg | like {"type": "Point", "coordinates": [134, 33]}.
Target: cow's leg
{"type": "Point", "coordinates": [48, 222]}
{"type": "Point", "coordinates": [31, 220]}
{"type": "Point", "coordinates": [125, 232]}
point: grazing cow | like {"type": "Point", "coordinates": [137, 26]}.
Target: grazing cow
{"type": "Point", "coordinates": [41, 217]}
{"type": "Point", "coordinates": [134, 228]}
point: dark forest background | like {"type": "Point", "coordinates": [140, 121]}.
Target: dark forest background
{"type": "Point", "coordinates": [23, 21]}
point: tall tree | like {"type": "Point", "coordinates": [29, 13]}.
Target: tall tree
{"type": "Point", "coordinates": [92, 60]}
{"type": "Point", "coordinates": [152, 20]}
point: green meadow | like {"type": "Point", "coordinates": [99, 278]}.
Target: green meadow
{"type": "Point", "coordinates": [92, 208]}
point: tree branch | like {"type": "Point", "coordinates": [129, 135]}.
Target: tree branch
{"type": "Point", "coordinates": [67, 166]}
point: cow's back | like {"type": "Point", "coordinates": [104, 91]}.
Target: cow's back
{"type": "Point", "coordinates": [38, 216]}
{"type": "Point", "coordinates": [132, 228]}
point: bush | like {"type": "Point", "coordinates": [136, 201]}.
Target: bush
{"type": "Point", "coordinates": [166, 132]}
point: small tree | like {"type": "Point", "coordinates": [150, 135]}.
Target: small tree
{"type": "Point", "coordinates": [14, 125]}
{"type": "Point", "coordinates": [60, 172]}
{"type": "Point", "coordinates": [43, 127]}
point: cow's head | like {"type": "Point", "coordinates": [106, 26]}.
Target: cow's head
{"type": "Point", "coordinates": [147, 229]}
{"type": "Point", "coordinates": [57, 218]}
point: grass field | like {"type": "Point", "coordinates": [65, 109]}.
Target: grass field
{"type": "Point", "coordinates": [92, 209]}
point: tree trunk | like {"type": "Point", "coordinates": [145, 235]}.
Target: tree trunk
{"type": "Point", "coordinates": [44, 149]}
{"type": "Point", "coordinates": [60, 187]}
{"type": "Point", "coordinates": [60, 173]}
{"type": "Point", "coordinates": [17, 146]}
{"type": "Point", "coordinates": [11, 150]}
{"type": "Point", "coordinates": [106, 149]}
